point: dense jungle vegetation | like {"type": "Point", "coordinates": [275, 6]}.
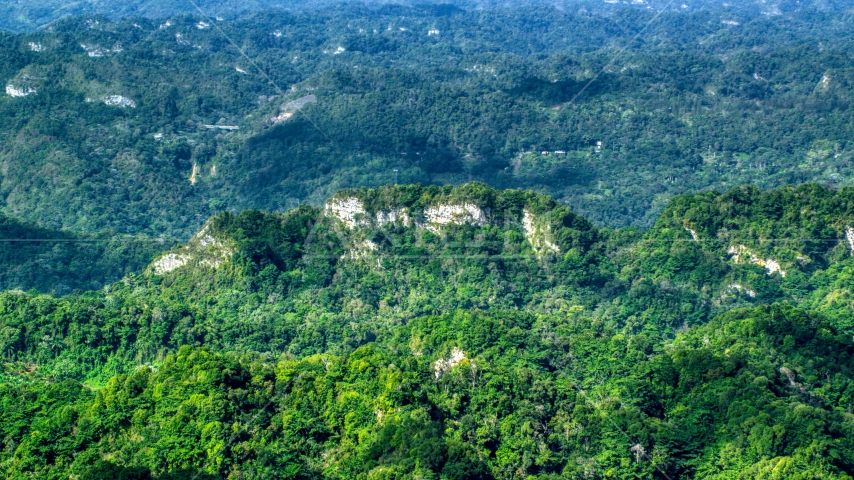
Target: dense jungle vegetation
{"type": "Point", "coordinates": [26, 16]}
{"type": "Point", "coordinates": [298, 240]}
{"type": "Point", "coordinates": [117, 124]}
{"type": "Point", "coordinates": [60, 262]}
{"type": "Point", "coordinates": [518, 341]}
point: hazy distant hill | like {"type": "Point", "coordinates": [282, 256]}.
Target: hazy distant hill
{"type": "Point", "coordinates": [326, 316]}
{"type": "Point", "coordinates": [154, 125]}
{"type": "Point", "coordinates": [23, 16]}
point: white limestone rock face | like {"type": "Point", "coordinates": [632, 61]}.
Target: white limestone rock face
{"type": "Point", "coordinates": [119, 101]}
{"type": "Point", "coordinates": [773, 267]}
{"type": "Point", "coordinates": [739, 288]}
{"type": "Point", "coordinates": [349, 210]}
{"type": "Point", "coordinates": [94, 51]}
{"type": "Point", "coordinates": [440, 215]}
{"type": "Point", "coordinates": [203, 250]}
{"type": "Point", "coordinates": [849, 234]}
{"type": "Point", "coordinates": [693, 234]}
{"type": "Point", "coordinates": [210, 251]}
{"type": "Point", "coordinates": [824, 83]}
{"type": "Point", "coordinates": [169, 262]}
{"type": "Point", "coordinates": [361, 250]}
{"type": "Point", "coordinates": [204, 238]}
{"type": "Point", "coordinates": [19, 92]}
{"type": "Point", "coordinates": [444, 365]}
{"type": "Point", "coordinates": [537, 236]}
{"type": "Point", "coordinates": [398, 215]}
{"type": "Point", "coordinates": [740, 254]}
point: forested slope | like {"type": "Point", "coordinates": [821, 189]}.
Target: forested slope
{"type": "Point", "coordinates": [60, 262]}
{"type": "Point", "coordinates": [438, 332]}
{"type": "Point", "coordinates": [26, 16]}
{"type": "Point", "coordinates": [757, 394]}
{"type": "Point", "coordinates": [153, 126]}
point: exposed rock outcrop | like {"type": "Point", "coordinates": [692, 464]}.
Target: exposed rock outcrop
{"type": "Point", "coordinates": [352, 213]}
{"type": "Point", "coordinates": [444, 365]}
{"type": "Point", "coordinates": [849, 234]}
{"type": "Point", "coordinates": [349, 210]}
{"type": "Point", "coordinates": [362, 249]}
{"type": "Point", "coordinates": [693, 234]}
{"type": "Point", "coordinates": [169, 262]}
{"type": "Point", "coordinates": [537, 236]}
{"type": "Point", "coordinates": [739, 288]}
{"type": "Point", "coordinates": [19, 92]}
{"type": "Point", "coordinates": [740, 254]}
{"type": "Point", "coordinates": [437, 216]}
{"type": "Point", "coordinates": [203, 249]}
{"type": "Point", "coordinates": [119, 101]}
{"type": "Point", "coordinates": [394, 216]}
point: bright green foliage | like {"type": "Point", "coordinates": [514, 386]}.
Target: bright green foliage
{"type": "Point", "coordinates": [302, 268]}
{"type": "Point", "coordinates": [534, 395]}
{"type": "Point", "coordinates": [695, 248]}
{"type": "Point", "coordinates": [298, 345]}
{"type": "Point", "coordinates": [518, 339]}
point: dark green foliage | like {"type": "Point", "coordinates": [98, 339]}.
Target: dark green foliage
{"type": "Point", "coordinates": [748, 246]}
{"type": "Point", "coordinates": [520, 339]}
{"type": "Point", "coordinates": [17, 16]}
{"type": "Point", "coordinates": [61, 262]}
{"type": "Point", "coordinates": [479, 101]}
{"type": "Point", "coordinates": [280, 269]}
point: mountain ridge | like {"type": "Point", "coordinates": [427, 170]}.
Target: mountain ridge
{"type": "Point", "coordinates": [457, 352]}
{"type": "Point", "coordinates": [423, 242]}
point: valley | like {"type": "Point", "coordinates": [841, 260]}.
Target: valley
{"type": "Point", "coordinates": [159, 130]}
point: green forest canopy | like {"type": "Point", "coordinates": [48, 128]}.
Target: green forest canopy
{"type": "Point", "coordinates": [123, 126]}
{"type": "Point", "coordinates": [516, 340]}
{"type": "Point", "coordinates": [36, 14]}
{"type": "Point", "coordinates": [602, 273]}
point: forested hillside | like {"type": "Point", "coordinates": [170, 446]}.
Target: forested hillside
{"type": "Point", "coordinates": [454, 333]}
{"type": "Point", "coordinates": [392, 240]}
{"type": "Point", "coordinates": [60, 262]}
{"type": "Point", "coordinates": [34, 14]}
{"type": "Point", "coordinates": [152, 126]}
